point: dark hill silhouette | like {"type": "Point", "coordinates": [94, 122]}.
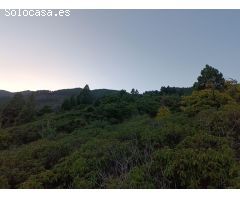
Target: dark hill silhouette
{"type": "Point", "coordinates": [53, 98]}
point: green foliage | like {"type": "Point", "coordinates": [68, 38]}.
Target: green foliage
{"type": "Point", "coordinates": [18, 111]}
{"type": "Point", "coordinates": [66, 105]}
{"type": "Point", "coordinates": [162, 113]}
{"type": "Point", "coordinates": [48, 130]}
{"type": "Point", "coordinates": [85, 96]}
{"type": "Point", "coordinates": [28, 111]}
{"type": "Point", "coordinates": [204, 100]}
{"type": "Point", "coordinates": [175, 91]}
{"type": "Point", "coordinates": [12, 110]}
{"type": "Point", "coordinates": [134, 92]}
{"type": "Point", "coordinates": [173, 138]}
{"type": "Point", "coordinates": [147, 105]}
{"type": "Point", "coordinates": [233, 89]}
{"type": "Point", "coordinates": [200, 161]}
{"type": "Point", "coordinates": [210, 78]}
{"type": "Point", "coordinates": [44, 110]}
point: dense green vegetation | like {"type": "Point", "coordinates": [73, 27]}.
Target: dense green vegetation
{"type": "Point", "coordinates": [171, 138]}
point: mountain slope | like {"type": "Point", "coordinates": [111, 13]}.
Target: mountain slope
{"type": "Point", "coordinates": [53, 98]}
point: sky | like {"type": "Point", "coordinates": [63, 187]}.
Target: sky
{"type": "Point", "coordinates": [117, 49]}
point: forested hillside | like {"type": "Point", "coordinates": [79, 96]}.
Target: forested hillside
{"type": "Point", "coordinates": [170, 138]}
{"type": "Point", "coordinates": [53, 99]}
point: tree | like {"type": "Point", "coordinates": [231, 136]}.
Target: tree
{"type": "Point", "coordinates": [210, 78]}
{"type": "Point", "coordinates": [233, 89]}
{"type": "Point", "coordinates": [204, 100]}
{"type": "Point", "coordinates": [148, 105]}
{"type": "Point", "coordinates": [199, 161]}
{"type": "Point", "coordinates": [168, 90]}
{"type": "Point", "coordinates": [163, 112]}
{"type": "Point", "coordinates": [85, 96]}
{"type": "Point", "coordinates": [66, 105]}
{"type": "Point", "coordinates": [28, 111]}
{"type": "Point", "coordinates": [134, 92]}
{"type": "Point", "coordinates": [44, 110]}
{"type": "Point", "coordinates": [73, 101]}
{"type": "Point", "coordinates": [12, 110]}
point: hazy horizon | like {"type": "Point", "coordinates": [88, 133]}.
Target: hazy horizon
{"type": "Point", "coordinates": [117, 49]}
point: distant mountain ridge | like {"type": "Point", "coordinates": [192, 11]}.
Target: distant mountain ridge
{"type": "Point", "coordinates": [53, 98]}
{"type": "Point", "coordinates": [4, 93]}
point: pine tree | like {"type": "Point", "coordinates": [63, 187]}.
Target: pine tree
{"type": "Point", "coordinates": [85, 96]}
{"type": "Point", "coordinates": [210, 78]}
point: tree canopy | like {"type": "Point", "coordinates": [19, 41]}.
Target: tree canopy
{"type": "Point", "coordinates": [210, 78]}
